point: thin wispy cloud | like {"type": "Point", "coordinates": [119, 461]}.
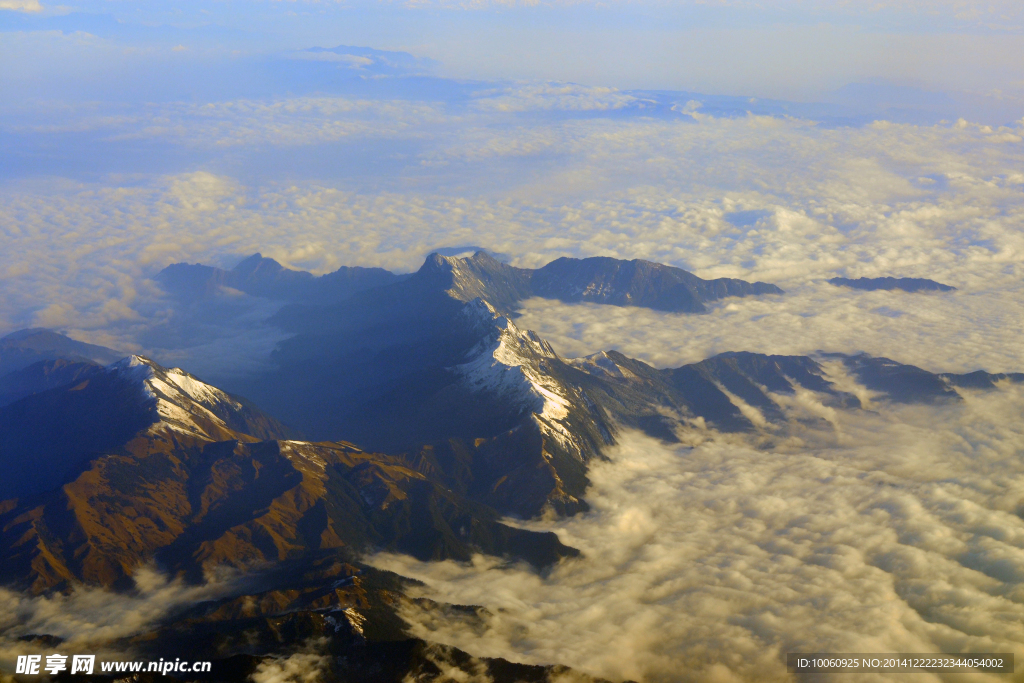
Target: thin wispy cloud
{"type": "Point", "coordinates": [88, 619]}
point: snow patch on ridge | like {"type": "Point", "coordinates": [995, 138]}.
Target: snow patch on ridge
{"type": "Point", "coordinates": [199, 391]}
{"type": "Point", "coordinates": [508, 363]}
{"type": "Point", "coordinates": [135, 369]}
{"type": "Point", "coordinates": [182, 401]}
{"type": "Point", "coordinates": [600, 364]}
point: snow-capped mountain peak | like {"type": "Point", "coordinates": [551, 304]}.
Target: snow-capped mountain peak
{"type": "Point", "coordinates": [510, 363]}
{"type": "Point", "coordinates": [600, 364]}
{"type": "Point", "coordinates": [182, 402]}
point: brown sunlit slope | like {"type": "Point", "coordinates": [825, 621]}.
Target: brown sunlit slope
{"type": "Point", "coordinates": [195, 479]}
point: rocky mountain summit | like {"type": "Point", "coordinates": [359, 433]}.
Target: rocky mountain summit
{"type": "Point", "coordinates": [597, 279]}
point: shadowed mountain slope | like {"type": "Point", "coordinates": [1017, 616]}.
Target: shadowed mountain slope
{"type": "Point", "coordinates": [731, 392]}
{"type": "Point", "coordinates": [636, 283]}
{"type": "Point", "coordinates": [395, 371]}
{"type": "Point", "coordinates": [43, 375]}
{"type": "Point", "coordinates": [265, 277]}
{"type": "Point", "coordinates": [382, 361]}
{"type": "Point", "coordinates": [911, 384]}
{"type": "Point", "coordinates": [23, 348]}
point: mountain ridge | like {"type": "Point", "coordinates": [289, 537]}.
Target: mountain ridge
{"type": "Point", "coordinates": [48, 435]}
{"type": "Point", "coordinates": [907, 284]}
{"type": "Point", "coordinates": [181, 472]}
{"type": "Point", "coordinates": [43, 375]}
{"type": "Point", "coordinates": [257, 275]}
{"type": "Point", "coordinates": [25, 347]}
{"type": "Point", "coordinates": [597, 279]}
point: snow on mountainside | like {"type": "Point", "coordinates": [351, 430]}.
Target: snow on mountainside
{"type": "Point", "coordinates": [189, 406]}
{"type": "Point", "coordinates": [49, 435]}
{"type": "Point", "coordinates": [479, 276]}
{"type": "Point", "coordinates": [600, 364]}
{"type": "Point", "coordinates": [183, 403]}
{"type": "Point", "coordinates": [519, 368]}
{"type": "Point", "coordinates": [509, 363]}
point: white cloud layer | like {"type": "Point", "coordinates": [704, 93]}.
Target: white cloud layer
{"type": "Point", "coordinates": [762, 198]}
{"type": "Point", "coordinates": [252, 123]}
{"type": "Point", "coordinates": [87, 619]}
{"type": "Point", "coordinates": [957, 332]}
{"type": "Point", "coordinates": [30, 6]}
{"type": "Point", "coordinates": [899, 531]}
{"type": "Point", "coordinates": [301, 667]}
{"type": "Point", "coordinates": [552, 96]}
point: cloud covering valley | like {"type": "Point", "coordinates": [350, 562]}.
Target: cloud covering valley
{"type": "Point", "coordinates": [762, 198]}
{"type": "Point", "coordinates": [708, 562]}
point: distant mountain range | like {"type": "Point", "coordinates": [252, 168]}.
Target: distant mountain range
{"type": "Point", "coordinates": [23, 348]}
{"type": "Point", "coordinates": [907, 284]}
{"type": "Point", "coordinates": [265, 277]}
{"type": "Point", "coordinates": [598, 279]}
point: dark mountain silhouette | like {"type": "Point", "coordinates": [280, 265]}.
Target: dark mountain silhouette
{"type": "Point", "coordinates": [23, 348]}
{"type": "Point", "coordinates": [43, 375]}
{"type": "Point", "coordinates": [636, 283]}
{"type": "Point", "coordinates": [599, 279]}
{"type": "Point", "coordinates": [911, 384]}
{"type": "Point", "coordinates": [265, 277]}
{"type": "Point", "coordinates": [906, 284]}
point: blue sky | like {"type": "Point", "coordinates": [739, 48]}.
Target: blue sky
{"type": "Point", "coordinates": [795, 49]}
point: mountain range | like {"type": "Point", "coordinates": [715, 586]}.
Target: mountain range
{"type": "Point", "coordinates": [23, 348]}
{"type": "Point", "coordinates": [141, 462]}
{"type": "Point", "coordinates": [265, 277]}
{"type": "Point", "coordinates": [597, 279]}
{"type": "Point", "coordinates": [410, 415]}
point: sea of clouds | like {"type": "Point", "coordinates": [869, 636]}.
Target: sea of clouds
{"type": "Point", "coordinates": [527, 171]}
{"type": "Point", "coordinates": [898, 529]}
